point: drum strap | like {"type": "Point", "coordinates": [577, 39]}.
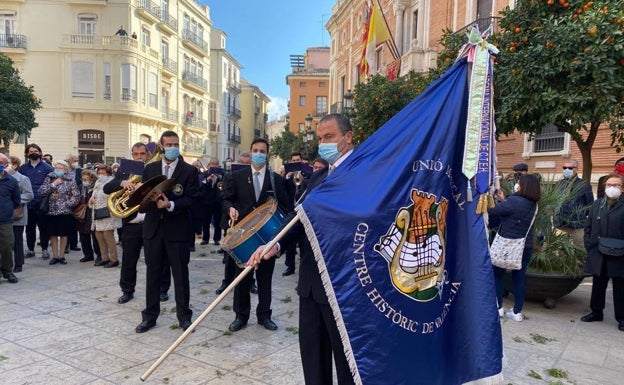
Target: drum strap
{"type": "Point", "coordinates": [272, 178]}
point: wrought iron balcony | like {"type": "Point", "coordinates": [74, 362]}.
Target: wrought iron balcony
{"type": "Point", "coordinates": [233, 138]}
{"type": "Point", "coordinates": [12, 41]}
{"type": "Point", "coordinates": [234, 85]}
{"type": "Point", "coordinates": [195, 79]}
{"type": "Point", "coordinates": [194, 39]}
{"type": "Point", "coordinates": [169, 20]}
{"type": "Point", "coordinates": [170, 114]}
{"type": "Point", "coordinates": [194, 122]}
{"type": "Point", "coordinates": [170, 65]}
{"type": "Point", "coordinates": [148, 7]}
{"type": "Point", "coordinates": [234, 111]}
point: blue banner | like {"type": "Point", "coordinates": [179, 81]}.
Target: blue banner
{"type": "Point", "coordinates": [403, 254]}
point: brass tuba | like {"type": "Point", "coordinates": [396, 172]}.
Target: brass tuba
{"type": "Point", "coordinates": [118, 201]}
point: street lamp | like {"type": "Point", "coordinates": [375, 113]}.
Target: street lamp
{"type": "Point", "coordinates": [347, 105]}
{"type": "Point", "coordinates": [308, 135]}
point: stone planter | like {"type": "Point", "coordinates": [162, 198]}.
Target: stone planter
{"type": "Point", "coordinates": [545, 287]}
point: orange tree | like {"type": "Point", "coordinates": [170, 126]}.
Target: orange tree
{"type": "Point", "coordinates": [562, 63]}
{"type": "Point", "coordinates": [18, 103]}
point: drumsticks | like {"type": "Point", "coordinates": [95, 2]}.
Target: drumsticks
{"type": "Point", "coordinates": [216, 302]}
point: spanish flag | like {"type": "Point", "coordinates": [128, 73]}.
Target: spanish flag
{"type": "Point", "coordinates": [375, 33]}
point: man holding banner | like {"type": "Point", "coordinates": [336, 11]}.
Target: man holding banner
{"type": "Point", "coordinates": [318, 334]}
{"type": "Point", "coordinates": [395, 276]}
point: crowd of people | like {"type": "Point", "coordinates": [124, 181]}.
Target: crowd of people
{"type": "Point", "coordinates": [67, 204]}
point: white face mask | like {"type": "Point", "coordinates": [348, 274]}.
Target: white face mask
{"type": "Point", "coordinates": [516, 187]}
{"type": "Point", "coordinates": [75, 165]}
{"type": "Point", "coordinates": [9, 169]}
{"type": "Point", "coordinates": [613, 192]}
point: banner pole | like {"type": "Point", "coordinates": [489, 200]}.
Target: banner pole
{"type": "Point", "coordinates": [216, 302]}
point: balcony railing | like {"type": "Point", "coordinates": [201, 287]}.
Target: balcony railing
{"type": "Point", "coordinates": [170, 114]}
{"type": "Point", "coordinates": [128, 94]}
{"type": "Point", "coordinates": [171, 21]}
{"type": "Point", "coordinates": [233, 138]}
{"type": "Point", "coordinates": [12, 41]}
{"type": "Point", "coordinates": [148, 6]}
{"type": "Point", "coordinates": [234, 85]}
{"type": "Point", "coordinates": [234, 111]}
{"type": "Point", "coordinates": [193, 78]}
{"type": "Point", "coordinates": [194, 122]}
{"type": "Point", "coordinates": [170, 65]}
{"type": "Point", "coordinates": [336, 108]}
{"type": "Point", "coordinates": [320, 113]}
{"type": "Point", "coordinates": [194, 39]}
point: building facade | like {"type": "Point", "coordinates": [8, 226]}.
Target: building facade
{"type": "Point", "coordinates": [254, 114]}
{"type": "Point", "coordinates": [309, 88]}
{"type": "Point", "coordinates": [112, 72]}
{"type": "Point", "coordinates": [225, 89]}
{"type": "Point", "coordinates": [417, 27]}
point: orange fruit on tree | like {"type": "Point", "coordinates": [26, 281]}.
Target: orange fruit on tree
{"type": "Point", "coordinates": [592, 31]}
{"type": "Point", "coordinates": [517, 30]}
{"type": "Point", "coordinates": [550, 2]}
{"type": "Point", "coordinates": [618, 20]}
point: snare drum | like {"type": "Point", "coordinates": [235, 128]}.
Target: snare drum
{"type": "Point", "coordinates": [256, 229]}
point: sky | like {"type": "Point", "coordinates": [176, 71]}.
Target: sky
{"type": "Point", "coordinates": [261, 36]}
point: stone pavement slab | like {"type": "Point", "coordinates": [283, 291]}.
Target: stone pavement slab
{"type": "Point", "coordinates": [62, 325]}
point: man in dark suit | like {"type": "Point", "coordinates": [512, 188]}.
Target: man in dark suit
{"type": "Point", "coordinates": [318, 334]}
{"type": "Point", "coordinates": [210, 195]}
{"type": "Point", "coordinates": [167, 232]}
{"type": "Point", "coordinates": [244, 191]}
{"type": "Point", "coordinates": [132, 232]}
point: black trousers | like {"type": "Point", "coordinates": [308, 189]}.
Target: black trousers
{"type": "Point", "coordinates": [242, 298]}
{"type": "Point", "coordinates": [72, 238]}
{"type": "Point", "coordinates": [159, 256]}
{"type": "Point", "coordinates": [599, 292]}
{"type": "Point", "coordinates": [211, 214]}
{"type": "Point", "coordinates": [291, 251]}
{"type": "Point", "coordinates": [131, 244]}
{"type": "Point", "coordinates": [18, 246]}
{"type": "Point", "coordinates": [90, 245]}
{"type": "Point", "coordinates": [318, 338]}
{"type": "Point", "coordinates": [35, 218]}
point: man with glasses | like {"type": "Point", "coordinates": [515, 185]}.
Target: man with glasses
{"type": "Point", "coordinates": [573, 212]}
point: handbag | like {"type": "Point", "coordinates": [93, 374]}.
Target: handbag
{"type": "Point", "coordinates": [79, 212]}
{"type": "Point", "coordinates": [506, 253]}
{"type": "Point", "coordinates": [44, 205]}
{"type": "Point", "coordinates": [611, 246]}
{"type": "Point", "coordinates": [101, 213]}
{"type": "Point", "coordinates": [18, 212]}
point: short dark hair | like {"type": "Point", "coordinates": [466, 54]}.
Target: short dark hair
{"type": "Point", "coordinates": [168, 134]}
{"type": "Point", "coordinates": [140, 144]}
{"type": "Point", "coordinates": [530, 187]}
{"type": "Point", "coordinates": [296, 153]}
{"type": "Point", "coordinates": [31, 145]}
{"type": "Point", "coordinates": [321, 160]}
{"type": "Point", "coordinates": [260, 140]}
{"type": "Point", "coordinates": [614, 175]}
{"type": "Point", "coordinates": [344, 124]}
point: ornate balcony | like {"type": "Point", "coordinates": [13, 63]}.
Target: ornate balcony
{"type": "Point", "coordinates": [233, 138]}
{"type": "Point", "coordinates": [148, 10]}
{"type": "Point", "coordinates": [168, 22]}
{"type": "Point", "coordinates": [171, 115]}
{"type": "Point", "coordinates": [190, 79]}
{"type": "Point", "coordinates": [12, 41]}
{"type": "Point", "coordinates": [191, 40]}
{"type": "Point", "coordinates": [169, 66]}
{"type": "Point", "coordinates": [234, 112]}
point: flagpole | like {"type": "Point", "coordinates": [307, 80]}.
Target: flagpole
{"type": "Point", "coordinates": [216, 302]}
{"type": "Point", "coordinates": [393, 47]}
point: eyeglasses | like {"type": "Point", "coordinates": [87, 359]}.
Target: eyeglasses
{"type": "Point", "coordinates": [614, 184]}
{"type": "Point", "coordinates": [568, 168]}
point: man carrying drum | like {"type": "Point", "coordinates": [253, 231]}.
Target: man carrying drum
{"type": "Point", "coordinates": [244, 191]}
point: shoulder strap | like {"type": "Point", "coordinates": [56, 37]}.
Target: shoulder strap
{"type": "Point", "coordinates": [272, 177]}
{"type": "Point", "coordinates": [532, 220]}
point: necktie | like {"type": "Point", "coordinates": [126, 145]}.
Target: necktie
{"type": "Point", "coordinates": [331, 168]}
{"type": "Point", "coordinates": [257, 185]}
{"type": "Point", "coordinates": [167, 171]}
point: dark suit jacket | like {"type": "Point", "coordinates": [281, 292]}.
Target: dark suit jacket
{"type": "Point", "coordinates": [310, 284]}
{"type": "Point", "coordinates": [177, 224]}
{"type": "Point", "coordinates": [238, 192]}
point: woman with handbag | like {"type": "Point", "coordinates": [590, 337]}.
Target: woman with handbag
{"type": "Point", "coordinates": [90, 246]}
{"type": "Point", "coordinates": [515, 214]}
{"type": "Point", "coordinates": [604, 242]}
{"type": "Point", "coordinates": [64, 196]}
{"type": "Point", "coordinates": [104, 224]}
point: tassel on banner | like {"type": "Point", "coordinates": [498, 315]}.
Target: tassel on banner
{"type": "Point", "coordinates": [469, 197]}
{"type": "Point", "coordinates": [482, 204]}
{"type": "Point", "coordinates": [490, 200]}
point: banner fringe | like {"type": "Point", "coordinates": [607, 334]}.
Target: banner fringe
{"type": "Point", "coordinates": [331, 295]}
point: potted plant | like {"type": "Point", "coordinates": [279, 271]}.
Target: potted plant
{"type": "Point", "coordinates": [556, 267]}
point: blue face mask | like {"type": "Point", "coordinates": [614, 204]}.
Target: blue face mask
{"type": "Point", "coordinates": [59, 173]}
{"type": "Point", "coordinates": [567, 173]}
{"type": "Point", "coordinates": [329, 151]}
{"type": "Point", "coordinates": [1, 168]}
{"type": "Point", "coordinates": [172, 153]}
{"type": "Point", "coordinates": [258, 159]}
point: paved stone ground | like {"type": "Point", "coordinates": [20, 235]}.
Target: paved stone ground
{"type": "Point", "coordinates": [62, 325]}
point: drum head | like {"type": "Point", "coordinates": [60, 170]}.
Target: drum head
{"type": "Point", "coordinates": [147, 203]}
{"type": "Point", "coordinates": [249, 225]}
